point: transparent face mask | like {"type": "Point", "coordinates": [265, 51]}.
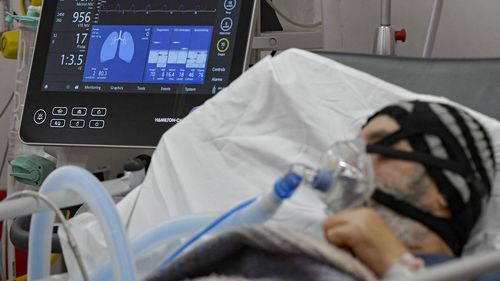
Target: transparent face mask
{"type": "Point", "coordinates": [350, 172]}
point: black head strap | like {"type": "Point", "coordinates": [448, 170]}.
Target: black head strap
{"type": "Point", "coordinates": [476, 159]}
{"type": "Point", "coordinates": [447, 229]}
{"type": "Point", "coordinates": [423, 121]}
{"type": "Point", "coordinates": [422, 158]}
{"type": "Point", "coordinates": [417, 125]}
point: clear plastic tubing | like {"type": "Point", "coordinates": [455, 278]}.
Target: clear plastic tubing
{"type": "Point", "coordinates": [318, 179]}
{"type": "Point", "coordinates": [184, 227]}
{"type": "Point", "coordinates": [85, 185]}
{"type": "Point", "coordinates": [307, 173]}
{"type": "Point", "coordinates": [167, 232]}
{"type": "Point", "coordinates": [255, 211]}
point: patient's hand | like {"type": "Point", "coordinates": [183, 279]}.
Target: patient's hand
{"type": "Point", "coordinates": [364, 233]}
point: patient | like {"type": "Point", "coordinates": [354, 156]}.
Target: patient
{"type": "Point", "coordinates": [434, 167]}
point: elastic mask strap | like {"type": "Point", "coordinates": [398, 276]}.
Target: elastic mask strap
{"type": "Point", "coordinates": [422, 158]}
{"type": "Point", "coordinates": [393, 138]}
{"type": "Point", "coordinates": [445, 228]}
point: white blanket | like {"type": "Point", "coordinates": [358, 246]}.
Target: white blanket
{"type": "Point", "coordinates": [284, 110]}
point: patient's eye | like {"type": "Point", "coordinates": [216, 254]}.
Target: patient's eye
{"type": "Point", "coordinates": [373, 137]}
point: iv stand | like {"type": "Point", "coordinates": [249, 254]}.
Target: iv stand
{"type": "Point", "coordinates": [386, 37]}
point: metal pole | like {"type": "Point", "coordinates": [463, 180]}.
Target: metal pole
{"type": "Point", "coordinates": [433, 27]}
{"type": "Point", "coordinates": [466, 268]}
{"type": "Point", "coordinates": [385, 41]}
{"type": "Point", "coordinates": [385, 13]}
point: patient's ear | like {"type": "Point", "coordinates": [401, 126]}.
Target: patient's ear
{"type": "Point", "coordinates": [442, 201]}
{"type": "Point", "coordinates": [441, 206]}
{"type": "Point", "coordinates": [434, 201]}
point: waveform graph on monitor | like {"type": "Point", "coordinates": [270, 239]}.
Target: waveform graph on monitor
{"type": "Point", "coordinates": [157, 6]}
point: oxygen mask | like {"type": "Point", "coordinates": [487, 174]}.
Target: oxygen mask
{"type": "Point", "coordinates": [345, 179]}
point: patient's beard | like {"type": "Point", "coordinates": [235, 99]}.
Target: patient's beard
{"type": "Point", "coordinates": [411, 190]}
{"type": "Point", "coordinates": [411, 233]}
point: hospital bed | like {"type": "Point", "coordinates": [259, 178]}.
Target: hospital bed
{"type": "Point", "coordinates": [290, 116]}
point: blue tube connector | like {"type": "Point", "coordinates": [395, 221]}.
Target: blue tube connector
{"type": "Point", "coordinates": [323, 180]}
{"type": "Point", "coordinates": [286, 186]}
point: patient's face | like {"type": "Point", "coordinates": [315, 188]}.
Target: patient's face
{"type": "Point", "coordinates": [405, 180]}
{"type": "Point", "coordinates": [395, 175]}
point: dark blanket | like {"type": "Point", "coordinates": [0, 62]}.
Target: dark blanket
{"type": "Point", "coordinates": [264, 254]}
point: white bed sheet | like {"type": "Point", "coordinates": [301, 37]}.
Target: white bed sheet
{"type": "Point", "coordinates": [284, 110]}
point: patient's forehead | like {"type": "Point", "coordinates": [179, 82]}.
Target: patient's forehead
{"type": "Point", "coordinates": [378, 128]}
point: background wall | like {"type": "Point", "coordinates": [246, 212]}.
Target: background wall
{"type": "Point", "coordinates": [468, 29]}
{"type": "Point", "coordinates": [7, 76]}
{"type": "Point", "coordinates": [7, 84]}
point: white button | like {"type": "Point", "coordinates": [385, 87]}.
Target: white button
{"type": "Point", "coordinates": [96, 124]}
{"type": "Point", "coordinates": [60, 111]}
{"type": "Point", "coordinates": [99, 112]}
{"type": "Point", "coordinates": [229, 5]}
{"type": "Point", "coordinates": [77, 124]}
{"type": "Point", "coordinates": [79, 111]}
{"type": "Point", "coordinates": [57, 123]}
{"type": "Point", "coordinates": [226, 24]}
{"type": "Point", "coordinates": [40, 116]}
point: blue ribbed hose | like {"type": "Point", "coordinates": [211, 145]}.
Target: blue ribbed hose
{"type": "Point", "coordinates": [80, 183]}
{"type": "Point", "coordinates": [168, 232]}
{"type": "Point", "coordinates": [254, 211]}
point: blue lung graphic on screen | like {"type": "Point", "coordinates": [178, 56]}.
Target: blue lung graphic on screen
{"type": "Point", "coordinates": [123, 42]}
{"type": "Point", "coordinates": [126, 52]}
{"type": "Point", "coordinates": [117, 53]}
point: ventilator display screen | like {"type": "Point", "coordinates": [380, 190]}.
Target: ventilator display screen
{"type": "Point", "coordinates": [162, 54]}
{"type": "Point", "coordinates": [122, 72]}
{"type": "Point", "coordinates": [154, 46]}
